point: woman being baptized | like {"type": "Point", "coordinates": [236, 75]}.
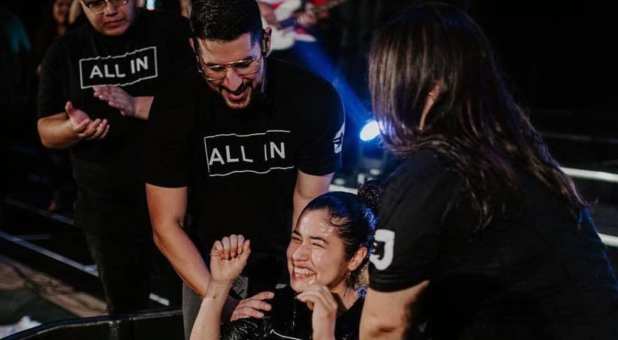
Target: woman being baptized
{"type": "Point", "coordinates": [327, 252]}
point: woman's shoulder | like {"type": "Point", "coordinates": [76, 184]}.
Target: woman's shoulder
{"type": "Point", "coordinates": [424, 168]}
{"type": "Point", "coordinates": [422, 163]}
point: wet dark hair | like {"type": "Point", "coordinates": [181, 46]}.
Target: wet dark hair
{"type": "Point", "coordinates": [475, 122]}
{"type": "Point", "coordinates": [354, 219]}
{"type": "Point", "coordinates": [226, 20]}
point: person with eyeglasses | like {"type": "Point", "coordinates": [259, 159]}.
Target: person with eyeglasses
{"type": "Point", "coordinates": [251, 139]}
{"type": "Point", "coordinates": [96, 89]}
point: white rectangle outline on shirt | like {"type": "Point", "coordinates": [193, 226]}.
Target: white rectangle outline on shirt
{"type": "Point", "coordinates": [81, 74]}
{"type": "Point", "coordinates": [242, 171]}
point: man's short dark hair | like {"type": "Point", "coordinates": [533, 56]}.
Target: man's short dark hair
{"type": "Point", "coordinates": [226, 20]}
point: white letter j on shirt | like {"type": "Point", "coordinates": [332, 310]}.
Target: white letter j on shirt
{"type": "Point", "coordinates": [384, 241]}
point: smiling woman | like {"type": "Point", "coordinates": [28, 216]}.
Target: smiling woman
{"type": "Point", "coordinates": [326, 254]}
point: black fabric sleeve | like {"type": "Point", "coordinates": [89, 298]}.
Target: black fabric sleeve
{"type": "Point", "coordinates": [407, 239]}
{"type": "Point", "coordinates": [168, 136]}
{"type": "Point", "coordinates": [183, 63]}
{"type": "Point", "coordinates": [322, 131]}
{"type": "Point", "coordinates": [243, 329]}
{"type": "Point", "coordinates": [53, 85]}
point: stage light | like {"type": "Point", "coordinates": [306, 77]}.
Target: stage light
{"type": "Point", "coordinates": [370, 131]}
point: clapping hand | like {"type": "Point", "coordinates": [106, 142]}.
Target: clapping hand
{"type": "Point", "coordinates": [83, 126]}
{"type": "Point", "coordinates": [228, 258]}
{"type": "Point", "coordinates": [117, 98]}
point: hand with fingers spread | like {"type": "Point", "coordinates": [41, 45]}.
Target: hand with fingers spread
{"type": "Point", "coordinates": [83, 126]}
{"type": "Point", "coordinates": [319, 299]}
{"type": "Point", "coordinates": [228, 258]}
{"type": "Point", "coordinates": [253, 307]}
{"type": "Point", "coordinates": [117, 98]}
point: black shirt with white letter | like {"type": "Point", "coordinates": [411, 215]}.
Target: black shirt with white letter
{"type": "Point", "coordinates": [241, 165]}
{"type": "Point", "coordinates": [141, 61]}
{"type": "Point", "coordinates": [533, 273]}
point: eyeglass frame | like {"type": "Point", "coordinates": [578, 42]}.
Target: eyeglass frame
{"type": "Point", "coordinates": [115, 3]}
{"type": "Point", "coordinates": [201, 64]}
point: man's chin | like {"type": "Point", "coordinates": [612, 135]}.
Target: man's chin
{"type": "Point", "coordinates": [115, 30]}
{"type": "Point", "coordinates": [238, 104]}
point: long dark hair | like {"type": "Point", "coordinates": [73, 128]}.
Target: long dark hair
{"type": "Point", "coordinates": [475, 121]}
{"type": "Point", "coordinates": [354, 220]}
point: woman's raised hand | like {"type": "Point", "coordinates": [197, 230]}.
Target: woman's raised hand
{"type": "Point", "coordinates": [228, 257]}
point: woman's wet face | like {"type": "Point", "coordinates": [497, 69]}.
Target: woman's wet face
{"type": "Point", "coordinates": [316, 253]}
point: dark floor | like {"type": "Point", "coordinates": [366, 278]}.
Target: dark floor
{"type": "Point", "coordinates": [29, 297]}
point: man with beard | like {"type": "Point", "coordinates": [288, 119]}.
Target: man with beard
{"type": "Point", "coordinates": [96, 89]}
{"type": "Point", "coordinates": [255, 140]}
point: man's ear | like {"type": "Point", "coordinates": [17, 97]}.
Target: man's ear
{"type": "Point", "coordinates": [266, 41]}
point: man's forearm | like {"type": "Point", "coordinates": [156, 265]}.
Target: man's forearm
{"type": "Point", "coordinates": [388, 315]}
{"type": "Point", "coordinates": [300, 203]}
{"type": "Point", "coordinates": [184, 257]}
{"type": "Point", "coordinates": [377, 323]}
{"type": "Point", "coordinates": [56, 132]}
{"type": "Point", "coordinates": [307, 188]}
{"type": "Point", "coordinates": [372, 329]}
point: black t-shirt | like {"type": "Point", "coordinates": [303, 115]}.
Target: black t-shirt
{"type": "Point", "coordinates": [153, 50]}
{"type": "Point", "coordinates": [241, 165]}
{"type": "Point", "coordinates": [291, 319]}
{"type": "Point", "coordinates": [533, 273]}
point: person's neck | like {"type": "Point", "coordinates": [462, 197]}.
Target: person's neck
{"type": "Point", "coordinates": [347, 296]}
{"type": "Point", "coordinates": [61, 29]}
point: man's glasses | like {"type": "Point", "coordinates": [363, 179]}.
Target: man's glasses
{"type": "Point", "coordinates": [243, 68]}
{"type": "Point", "coordinates": [98, 6]}
{"type": "Point", "coordinates": [246, 67]}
